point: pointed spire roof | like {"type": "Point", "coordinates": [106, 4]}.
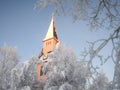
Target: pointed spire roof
{"type": "Point", "coordinates": [51, 31]}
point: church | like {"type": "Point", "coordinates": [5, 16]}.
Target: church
{"type": "Point", "coordinates": [49, 43]}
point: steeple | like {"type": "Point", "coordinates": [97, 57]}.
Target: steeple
{"type": "Point", "coordinates": [50, 39]}
{"type": "Point", "coordinates": [51, 31]}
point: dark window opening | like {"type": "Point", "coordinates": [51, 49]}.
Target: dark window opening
{"type": "Point", "coordinates": [41, 72]}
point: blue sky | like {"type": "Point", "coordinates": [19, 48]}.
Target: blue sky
{"type": "Point", "coordinates": [25, 28]}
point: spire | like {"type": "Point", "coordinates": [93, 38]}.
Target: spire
{"type": "Point", "coordinates": [51, 30]}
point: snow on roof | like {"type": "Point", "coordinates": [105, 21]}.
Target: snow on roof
{"type": "Point", "coordinates": [51, 30]}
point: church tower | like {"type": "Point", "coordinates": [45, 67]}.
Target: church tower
{"type": "Point", "coordinates": [50, 39]}
{"type": "Point", "coordinates": [49, 42]}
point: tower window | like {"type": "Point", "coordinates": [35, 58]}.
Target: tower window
{"type": "Point", "coordinates": [48, 43]}
{"type": "Point", "coordinates": [41, 72]}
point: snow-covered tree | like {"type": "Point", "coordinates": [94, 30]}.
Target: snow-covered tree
{"type": "Point", "coordinates": [66, 72]}
{"type": "Point", "coordinates": [63, 72]}
{"type": "Point", "coordinates": [100, 83]}
{"type": "Point", "coordinates": [8, 60]}
{"type": "Point", "coordinates": [116, 78]}
{"type": "Point", "coordinates": [96, 12]}
{"type": "Point", "coordinates": [24, 75]}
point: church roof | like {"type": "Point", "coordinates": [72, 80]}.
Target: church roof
{"type": "Point", "coordinates": [51, 31]}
